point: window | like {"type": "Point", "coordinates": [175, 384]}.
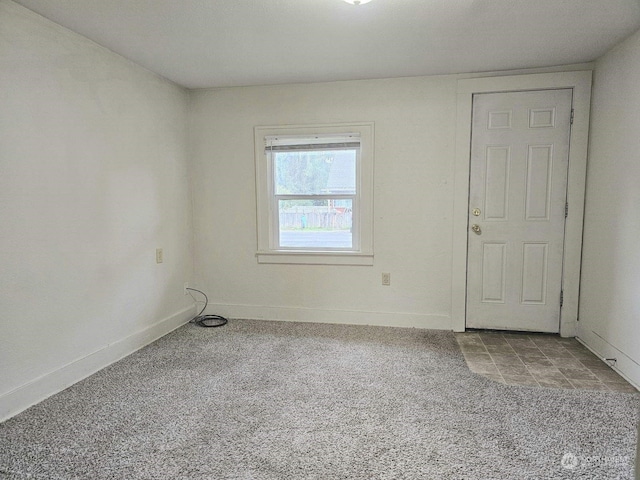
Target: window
{"type": "Point", "coordinates": [315, 188]}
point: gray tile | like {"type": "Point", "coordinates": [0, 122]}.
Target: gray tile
{"type": "Point", "coordinates": [537, 361]}
{"type": "Point", "coordinates": [483, 368]}
{"type": "Point", "coordinates": [473, 348]}
{"type": "Point", "coordinates": [621, 387]}
{"type": "Point", "coordinates": [548, 375]}
{"type": "Point", "coordinates": [520, 342]}
{"type": "Point", "coordinates": [500, 349]}
{"type": "Point", "coordinates": [466, 335]}
{"type": "Point", "coordinates": [544, 361]}
{"type": "Point", "coordinates": [529, 351]}
{"type": "Point", "coordinates": [491, 336]}
{"type": "Point", "coordinates": [594, 363]}
{"type": "Point", "coordinates": [553, 348]}
{"type": "Point", "coordinates": [469, 340]}
{"type": "Point", "coordinates": [512, 334]}
{"type": "Point", "coordinates": [588, 384]}
{"type": "Point", "coordinates": [577, 374]}
{"type": "Point", "coordinates": [547, 342]}
{"type": "Point", "coordinates": [494, 340]}
{"type": "Point", "coordinates": [564, 353]}
{"type": "Point", "coordinates": [579, 349]}
{"type": "Point", "coordinates": [478, 357]}
{"type": "Point", "coordinates": [484, 335]}
{"type": "Point", "coordinates": [506, 359]}
{"type": "Point", "coordinates": [542, 337]}
{"type": "Point", "coordinates": [577, 346]}
{"type": "Point", "coordinates": [543, 370]}
{"type": "Point", "coordinates": [522, 345]}
{"type": "Point", "coordinates": [566, 362]}
{"type": "Point", "coordinates": [555, 383]}
{"type": "Point", "coordinates": [607, 375]}
{"type": "Point", "coordinates": [520, 380]}
{"type": "Point", "coordinates": [584, 356]}
{"type": "Point", "coordinates": [513, 369]}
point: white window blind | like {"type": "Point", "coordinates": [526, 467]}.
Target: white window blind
{"type": "Point", "coordinates": [302, 143]}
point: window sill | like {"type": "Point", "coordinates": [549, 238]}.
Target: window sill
{"type": "Point", "coordinates": [315, 258]}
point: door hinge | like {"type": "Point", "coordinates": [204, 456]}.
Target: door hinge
{"type": "Point", "coordinates": [566, 209]}
{"type": "Point", "coordinates": [571, 118]}
{"type": "Point", "coordinates": [561, 297]}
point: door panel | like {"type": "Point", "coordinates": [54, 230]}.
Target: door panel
{"type": "Point", "coordinates": [534, 274]}
{"type": "Point", "coordinates": [496, 198]}
{"type": "Point", "coordinates": [539, 176]}
{"type": "Point", "coordinates": [494, 257]}
{"type": "Point", "coordinates": [517, 195]}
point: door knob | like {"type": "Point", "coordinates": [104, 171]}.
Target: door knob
{"type": "Point", "coordinates": [476, 229]}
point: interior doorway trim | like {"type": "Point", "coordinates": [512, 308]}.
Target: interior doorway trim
{"type": "Point", "coordinates": [580, 82]}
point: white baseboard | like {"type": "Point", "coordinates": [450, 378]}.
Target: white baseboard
{"type": "Point", "coordinates": [624, 365]}
{"type": "Point", "coordinates": [315, 315]}
{"type": "Point", "coordinates": [34, 391]}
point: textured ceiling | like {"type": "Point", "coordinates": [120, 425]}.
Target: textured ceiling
{"type": "Point", "coordinates": [212, 43]}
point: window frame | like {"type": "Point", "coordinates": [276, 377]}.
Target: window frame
{"type": "Point", "coordinates": [269, 250]}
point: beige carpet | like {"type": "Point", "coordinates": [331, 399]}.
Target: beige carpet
{"type": "Point", "coordinates": [267, 400]}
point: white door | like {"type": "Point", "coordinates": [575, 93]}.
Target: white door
{"type": "Point", "coordinates": [517, 198]}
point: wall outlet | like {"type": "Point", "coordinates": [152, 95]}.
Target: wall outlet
{"type": "Point", "coordinates": [159, 255]}
{"type": "Point", "coordinates": [386, 279]}
{"type": "Point", "coordinates": [186, 285]}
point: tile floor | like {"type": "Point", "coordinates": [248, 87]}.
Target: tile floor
{"type": "Point", "coordinates": [539, 360]}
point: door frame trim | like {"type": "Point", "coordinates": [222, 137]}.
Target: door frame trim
{"type": "Point", "coordinates": [580, 82]}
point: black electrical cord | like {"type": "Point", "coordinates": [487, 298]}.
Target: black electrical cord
{"type": "Point", "coordinates": [207, 320]}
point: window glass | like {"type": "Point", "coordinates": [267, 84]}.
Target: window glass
{"type": "Point", "coordinates": [314, 190]}
{"type": "Point", "coordinates": [321, 172]}
{"type": "Point", "coordinates": [316, 223]}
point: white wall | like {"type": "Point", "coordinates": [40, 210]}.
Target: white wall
{"type": "Point", "coordinates": [414, 152]}
{"type": "Point", "coordinates": [92, 179]}
{"type": "Point", "coordinates": [415, 133]}
{"type": "Point", "coordinates": [610, 287]}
